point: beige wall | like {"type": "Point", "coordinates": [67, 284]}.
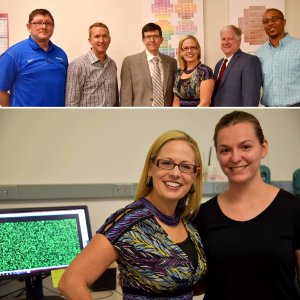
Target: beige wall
{"type": "Point", "coordinates": [69, 146]}
{"type": "Point", "coordinates": [125, 20]}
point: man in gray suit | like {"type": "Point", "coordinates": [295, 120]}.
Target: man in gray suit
{"type": "Point", "coordinates": [137, 72]}
{"type": "Point", "coordinates": [239, 84]}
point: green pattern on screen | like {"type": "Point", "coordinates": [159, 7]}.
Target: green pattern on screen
{"type": "Point", "coordinates": [43, 243]}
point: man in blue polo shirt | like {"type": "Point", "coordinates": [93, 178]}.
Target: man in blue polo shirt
{"type": "Point", "coordinates": [33, 71]}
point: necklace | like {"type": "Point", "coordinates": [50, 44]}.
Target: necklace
{"type": "Point", "coordinates": [168, 220]}
{"type": "Point", "coordinates": [186, 71]}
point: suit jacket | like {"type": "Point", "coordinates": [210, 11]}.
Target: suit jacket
{"type": "Point", "coordinates": [241, 82]}
{"type": "Point", "coordinates": [136, 82]}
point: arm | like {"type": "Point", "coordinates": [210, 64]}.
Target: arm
{"type": "Point", "coordinates": [206, 91]}
{"type": "Point", "coordinates": [9, 71]}
{"type": "Point", "coordinates": [117, 104]}
{"type": "Point", "coordinates": [176, 101]}
{"type": "Point", "coordinates": [199, 287]}
{"type": "Point", "coordinates": [4, 98]}
{"type": "Point", "coordinates": [251, 82]}
{"type": "Point", "coordinates": [73, 86]}
{"type": "Point", "coordinates": [297, 253]}
{"type": "Point", "coordinates": [126, 93]}
{"type": "Point", "coordinates": [89, 265]}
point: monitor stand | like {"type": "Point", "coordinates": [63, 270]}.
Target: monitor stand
{"type": "Point", "coordinates": [34, 289]}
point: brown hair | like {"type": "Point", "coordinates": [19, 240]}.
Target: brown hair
{"type": "Point", "coordinates": [39, 11]}
{"type": "Point", "coordinates": [97, 24]}
{"type": "Point", "coordinates": [237, 117]}
{"type": "Point", "coordinates": [151, 27]}
{"type": "Point", "coordinates": [277, 10]}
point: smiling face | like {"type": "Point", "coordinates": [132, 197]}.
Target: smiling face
{"type": "Point", "coordinates": [229, 43]}
{"type": "Point", "coordinates": [274, 28]}
{"type": "Point", "coordinates": [152, 41]}
{"type": "Point", "coordinates": [172, 185]}
{"type": "Point", "coordinates": [41, 28]}
{"type": "Point", "coordinates": [239, 152]}
{"type": "Point", "coordinates": [190, 51]}
{"type": "Point", "coordinates": [99, 40]}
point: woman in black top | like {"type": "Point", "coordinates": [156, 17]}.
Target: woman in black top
{"type": "Point", "coordinates": [251, 232]}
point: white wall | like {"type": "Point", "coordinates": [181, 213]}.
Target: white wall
{"type": "Point", "coordinates": [77, 146]}
{"type": "Point", "coordinates": [125, 20]}
{"type": "Point", "coordinates": [61, 146]}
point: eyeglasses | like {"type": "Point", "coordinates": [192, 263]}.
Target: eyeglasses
{"type": "Point", "coordinates": [149, 37]}
{"type": "Point", "coordinates": [169, 165]}
{"type": "Point", "coordinates": [42, 23]}
{"type": "Point", "coordinates": [271, 20]}
{"type": "Point", "coordinates": [192, 48]}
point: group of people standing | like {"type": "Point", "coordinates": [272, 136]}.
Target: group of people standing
{"type": "Point", "coordinates": [35, 72]}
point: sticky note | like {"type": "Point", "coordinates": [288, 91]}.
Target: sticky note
{"type": "Point", "coordinates": [56, 275]}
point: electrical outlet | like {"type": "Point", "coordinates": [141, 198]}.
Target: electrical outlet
{"type": "Point", "coordinates": [8, 192]}
{"type": "Point", "coordinates": [123, 190]}
{"type": "Point", "coordinates": [220, 187]}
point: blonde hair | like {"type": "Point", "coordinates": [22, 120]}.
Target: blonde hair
{"type": "Point", "coordinates": [182, 63]}
{"type": "Point", "coordinates": [192, 200]}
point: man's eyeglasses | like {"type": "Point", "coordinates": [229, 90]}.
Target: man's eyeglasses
{"type": "Point", "coordinates": [274, 19]}
{"type": "Point", "coordinates": [169, 165]}
{"type": "Point", "coordinates": [192, 48]}
{"type": "Point", "coordinates": [42, 23]}
{"type": "Point", "coordinates": [149, 37]}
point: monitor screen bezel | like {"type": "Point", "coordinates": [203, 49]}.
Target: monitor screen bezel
{"type": "Point", "coordinates": [44, 271]}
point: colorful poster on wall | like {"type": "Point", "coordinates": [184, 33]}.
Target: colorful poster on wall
{"type": "Point", "coordinates": [3, 32]}
{"type": "Point", "coordinates": [247, 15]}
{"type": "Point", "coordinates": [176, 18]}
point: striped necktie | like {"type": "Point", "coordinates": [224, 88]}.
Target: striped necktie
{"type": "Point", "coordinates": [158, 95]}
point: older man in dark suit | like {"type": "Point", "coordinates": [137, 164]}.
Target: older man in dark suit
{"type": "Point", "coordinates": [238, 75]}
{"type": "Point", "coordinates": [147, 78]}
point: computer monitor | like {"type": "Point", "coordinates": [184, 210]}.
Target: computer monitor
{"type": "Point", "coordinates": [34, 241]}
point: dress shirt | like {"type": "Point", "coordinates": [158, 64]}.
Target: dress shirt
{"type": "Point", "coordinates": [151, 67]}
{"type": "Point", "coordinates": [281, 72]}
{"type": "Point", "coordinates": [228, 60]}
{"type": "Point", "coordinates": [91, 82]}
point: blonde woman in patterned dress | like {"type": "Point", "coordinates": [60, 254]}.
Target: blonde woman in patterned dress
{"type": "Point", "coordinates": [159, 251]}
{"type": "Point", "coordinates": [194, 81]}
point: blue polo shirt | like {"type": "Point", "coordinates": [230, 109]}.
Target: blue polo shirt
{"type": "Point", "coordinates": [33, 76]}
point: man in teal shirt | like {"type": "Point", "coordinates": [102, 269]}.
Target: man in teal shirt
{"type": "Point", "coordinates": [280, 60]}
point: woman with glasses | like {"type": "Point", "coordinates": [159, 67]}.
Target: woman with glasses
{"type": "Point", "coordinates": [158, 250]}
{"type": "Point", "coordinates": [251, 231]}
{"type": "Point", "coordinates": [194, 81]}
